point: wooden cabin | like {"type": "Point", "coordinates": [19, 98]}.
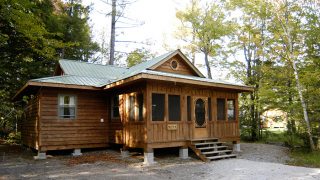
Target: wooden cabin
{"type": "Point", "coordinates": [163, 102]}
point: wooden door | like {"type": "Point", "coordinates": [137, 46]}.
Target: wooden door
{"type": "Point", "coordinates": [200, 118]}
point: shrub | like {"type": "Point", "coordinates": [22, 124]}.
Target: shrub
{"type": "Point", "coordinates": [13, 138]}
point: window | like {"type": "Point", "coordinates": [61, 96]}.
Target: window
{"type": "Point", "coordinates": [209, 109]}
{"type": "Point", "coordinates": [67, 106]}
{"type": "Point", "coordinates": [131, 108]}
{"type": "Point", "coordinates": [157, 107]}
{"type": "Point", "coordinates": [174, 64]}
{"type": "Point", "coordinates": [140, 106]}
{"type": "Point", "coordinates": [200, 113]}
{"type": "Point", "coordinates": [189, 108]}
{"type": "Point", "coordinates": [231, 109]}
{"type": "Point", "coordinates": [221, 113]}
{"type": "Point", "coordinates": [115, 107]}
{"type": "Point", "coordinates": [174, 107]}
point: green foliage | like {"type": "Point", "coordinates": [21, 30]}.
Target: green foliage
{"type": "Point", "coordinates": [33, 35]}
{"type": "Point", "coordinates": [138, 56]}
{"type": "Point", "coordinates": [13, 138]}
{"type": "Point", "coordinates": [208, 26]}
{"type": "Point", "coordinates": [303, 157]}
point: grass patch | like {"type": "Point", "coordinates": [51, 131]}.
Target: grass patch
{"type": "Point", "coordinates": [303, 157]}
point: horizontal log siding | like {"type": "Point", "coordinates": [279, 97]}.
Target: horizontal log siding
{"type": "Point", "coordinates": [86, 131]}
{"type": "Point", "coordinates": [29, 125]}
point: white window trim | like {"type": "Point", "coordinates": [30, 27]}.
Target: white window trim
{"type": "Point", "coordinates": [75, 107]}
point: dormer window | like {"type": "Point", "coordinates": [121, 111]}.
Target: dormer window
{"type": "Point", "coordinates": [174, 64]}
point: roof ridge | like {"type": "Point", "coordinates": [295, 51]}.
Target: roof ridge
{"type": "Point", "coordinates": [90, 63]}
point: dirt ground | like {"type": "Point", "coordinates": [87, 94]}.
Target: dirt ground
{"type": "Point", "coordinates": [256, 161]}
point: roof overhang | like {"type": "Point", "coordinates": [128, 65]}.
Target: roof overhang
{"type": "Point", "coordinates": [28, 87]}
{"type": "Point", "coordinates": [238, 88]}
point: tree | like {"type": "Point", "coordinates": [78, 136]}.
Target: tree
{"type": "Point", "coordinates": [209, 26]}
{"type": "Point", "coordinates": [76, 32]}
{"type": "Point", "coordinates": [138, 56]}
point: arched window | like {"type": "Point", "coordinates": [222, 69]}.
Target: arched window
{"type": "Point", "coordinates": [200, 113]}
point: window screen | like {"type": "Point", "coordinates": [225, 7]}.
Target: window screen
{"type": "Point", "coordinates": [131, 108]}
{"type": "Point", "coordinates": [115, 107]}
{"type": "Point", "coordinates": [67, 107]}
{"type": "Point", "coordinates": [221, 109]}
{"type": "Point", "coordinates": [209, 109]}
{"type": "Point", "coordinates": [189, 108]}
{"type": "Point", "coordinates": [140, 105]}
{"type": "Point", "coordinates": [174, 107]}
{"type": "Point", "coordinates": [231, 109]}
{"type": "Point", "coordinates": [158, 107]}
{"type": "Point", "coordinates": [200, 113]}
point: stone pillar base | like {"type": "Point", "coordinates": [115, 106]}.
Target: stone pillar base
{"type": "Point", "coordinates": [76, 152]}
{"type": "Point", "coordinates": [183, 153]}
{"type": "Point", "coordinates": [148, 158]}
{"type": "Point", "coordinates": [41, 155]}
{"type": "Point", "coordinates": [124, 153]}
{"type": "Point", "coordinates": [236, 147]}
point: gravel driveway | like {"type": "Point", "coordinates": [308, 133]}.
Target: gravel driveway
{"type": "Point", "coordinates": [256, 161]}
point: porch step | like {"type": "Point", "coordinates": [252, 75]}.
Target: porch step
{"type": "Point", "coordinates": [208, 143]}
{"type": "Point", "coordinates": [217, 152]}
{"type": "Point", "coordinates": [222, 156]}
{"type": "Point", "coordinates": [210, 149]}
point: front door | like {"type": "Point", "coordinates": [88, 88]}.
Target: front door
{"type": "Point", "coordinates": [200, 118]}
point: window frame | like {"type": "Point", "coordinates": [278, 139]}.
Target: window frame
{"type": "Point", "coordinates": [169, 112]}
{"type": "Point", "coordinates": [112, 107]}
{"type": "Point", "coordinates": [234, 109]}
{"type": "Point", "coordinates": [224, 109]}
{"type": "Point", "coordinates": [70, 106]}
{"type": "Point", "coordinates": [140, 104]}
{"type": "Point", "coordinates": [164, 107]}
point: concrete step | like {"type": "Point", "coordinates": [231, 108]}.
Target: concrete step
{"type": "Point", "coordinates": [222, 156]}
{"type": "Point", "coordinates": [217, 152]}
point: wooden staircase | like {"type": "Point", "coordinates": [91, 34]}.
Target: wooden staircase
{"type": "Point", "coordinates": [210, 149]}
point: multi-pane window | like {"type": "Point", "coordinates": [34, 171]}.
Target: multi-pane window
{"type": "Point", "coordinates": [174, 107]}
{"type": "Point", "coordinates": [221, 112]}
{"type": "Point", "coordinates": [231, 109]}
{"type": "Point", "coordinates": [115, 107]}
{"type": "Point", "coordinates": [67, 106]}
{"type": "Point", "coordinates": [140, 107]}
{"type": "Point", "coordinates": [189, 108]}
{"type": "Point", "coordinates": [158, 107]}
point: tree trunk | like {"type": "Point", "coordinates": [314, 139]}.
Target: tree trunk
{"type": "Point", "coordinates": [113, 32]}
{"type": "Point", "coordinates": [303, 104]}
{"type": "Point", "coordinates": [207, 64]}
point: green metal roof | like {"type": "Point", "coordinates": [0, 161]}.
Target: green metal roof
{"type": "Point", "coordinates": [95, 75]}
{"type": "Point", "coordinates": [71, 67]}
{"type": "Point", "coordinates": [75, 80]}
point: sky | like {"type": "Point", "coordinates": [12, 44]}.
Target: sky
{"type": "Point", "coordinates": [159, 25]}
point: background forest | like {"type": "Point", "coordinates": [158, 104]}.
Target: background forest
{"type": "Point", "coordinates": [273, 46]}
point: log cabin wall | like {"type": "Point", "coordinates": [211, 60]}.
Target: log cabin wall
{"type": "Point", "coordinates": [89, 128]}
{"type": "Point", "coordinates": [30, 124]}
{"type": "Point", "coordinates": [175, 133]}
